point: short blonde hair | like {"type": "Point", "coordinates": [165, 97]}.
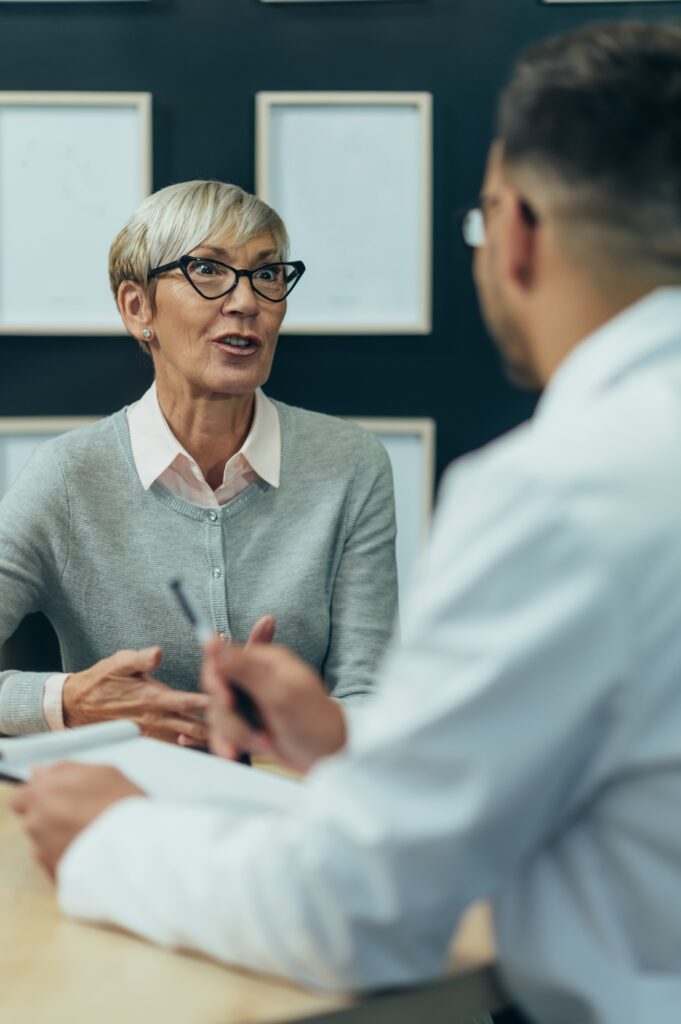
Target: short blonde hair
{"type": "Point", "coordinates": [174, 220]}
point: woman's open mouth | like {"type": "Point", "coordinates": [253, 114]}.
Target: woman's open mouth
{"type": "Point", "coordinates": [237, 344]}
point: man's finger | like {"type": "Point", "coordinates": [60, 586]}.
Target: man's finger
{"type": "Point", "coordinates": [212, 681]}
{"type": "Point", "coordinates": [223, 748]}
{"type": "Point", "coordinates": [215, 684]}
{"type": "Point", "coordinates": [44, 861]}
{"type": "Point", "coordinates": [232, 728]}
{"type": "Point", "coordinates": [263, 631]}
{"type": "Point", "coordinates": [255, 667]}
{"type": "Point", "coordinates": [20, 798]}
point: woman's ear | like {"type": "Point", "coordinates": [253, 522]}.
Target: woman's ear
{"type": "Point", "coordinates": [135, 309]}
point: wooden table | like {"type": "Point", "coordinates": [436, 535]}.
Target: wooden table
{"type": "Point", "coordinates": [63, 972]}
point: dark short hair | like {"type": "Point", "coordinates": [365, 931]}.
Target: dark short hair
{"type": "Point", "coordinates": [599, 109]}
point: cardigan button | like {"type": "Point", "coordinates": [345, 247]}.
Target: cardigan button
{"type": "Point", "coordinates": [217, 573]}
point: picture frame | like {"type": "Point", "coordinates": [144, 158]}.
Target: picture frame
{"type": "Point", "coordinates": [351, 175]}
{"type": "Point", "coordinates": [607, 1]}
{"type": "Point", "coordinates": [410, 443]}
{"type": "Point", "coordinates": [73, 167]}
{"type": "Point", "coordinates": [328, 1]}
{"type": "Point", "coordinates": [71, 1]}
{"type": "Point", "coordinates": [21, 435]}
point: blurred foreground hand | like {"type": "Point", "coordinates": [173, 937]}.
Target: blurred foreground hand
{"type": "Point", "coordinates": [63, 799]}
{"type": "Point", "coordinates": [301, 723]}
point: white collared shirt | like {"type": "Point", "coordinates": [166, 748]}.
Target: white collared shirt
{"type": "Point", "coordinates": [524, 745]}
{"type": "Point", "coordinates": [159, 457]}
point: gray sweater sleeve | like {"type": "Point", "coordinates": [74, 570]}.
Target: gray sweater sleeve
{"type": "Point", "coordinates": [364, 602]}
{"type": "Point", "coordinates": [34, 531]}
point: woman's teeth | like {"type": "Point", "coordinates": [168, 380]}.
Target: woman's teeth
{"type": "Point", "coordinates": [237, 342]}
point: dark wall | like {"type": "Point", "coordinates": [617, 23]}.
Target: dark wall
{"type": "Point", "coordinates": [203, 61]}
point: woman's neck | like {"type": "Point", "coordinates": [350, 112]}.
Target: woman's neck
{"type": "Point", "coordinates": [211, 428]}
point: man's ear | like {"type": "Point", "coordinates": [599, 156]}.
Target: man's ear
{"type": "Point", "coordinates": [135, 309]}
{"type": "Point", "coordinates": [519, 227]}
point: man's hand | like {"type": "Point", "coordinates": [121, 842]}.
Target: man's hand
{"type": "Point", "coordinates": [222, 697]}
{"type": "Point", "coordinates": [121, 687]}
{"type": "Point", "coordinates": [302, 724]}
{"type": "Point", "coordinates": [61, 800]}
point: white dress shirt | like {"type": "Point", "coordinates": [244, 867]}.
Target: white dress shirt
{"type": "Point", "coordinates": [159, 456]}
{"type": "Point", "coordinates": [524, 746]}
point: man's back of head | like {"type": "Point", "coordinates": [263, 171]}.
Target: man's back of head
{"type": "Point", "coordinates": [589, 143]}
{"type": "Point", "coordinates": [598, 115]}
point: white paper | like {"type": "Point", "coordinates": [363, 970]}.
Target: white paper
{"type": "Point", "coordinates": [176, 773]}
{"type": "Point", "coordinates": [163, 770]}
{"type": "Point", "coordinates": [55, 746]}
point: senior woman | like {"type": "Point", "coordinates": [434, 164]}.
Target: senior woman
{"type": "Point", "coordinates": [263, 509]}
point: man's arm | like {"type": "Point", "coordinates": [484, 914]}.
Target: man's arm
{"type": "Point", "coordinates": [491, 713]}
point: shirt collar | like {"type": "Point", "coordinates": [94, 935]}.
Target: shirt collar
{"type": "Point", "coordinates": [262, 447]}
{"type": "Point", "coordinates": [155, 447]}
{"type": "Point", "coordinates": [638, 335]}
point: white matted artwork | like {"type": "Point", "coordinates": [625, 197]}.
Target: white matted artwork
{"type": "Point", "coordinates": [21, 435]}
{"type": "Point", "coordinates": [351, 175]}
{"type": "Point", "coordinates": [73, 168]}
{"type": "Point", "coordinates": [410, 444]}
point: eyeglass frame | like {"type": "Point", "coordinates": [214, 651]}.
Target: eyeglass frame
{"type": "Point", "coordinates": [486, 203]}
{"type": "Point", "coordinates": [183, 262]}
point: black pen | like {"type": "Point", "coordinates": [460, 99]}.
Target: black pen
{"type": "Point", "coordinates": [244, 705]}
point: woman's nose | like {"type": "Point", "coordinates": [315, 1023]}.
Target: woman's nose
{"type": "Point", "coordinates": [241, 299]}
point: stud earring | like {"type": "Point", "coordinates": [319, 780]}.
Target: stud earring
{"type": "Point", "coordinates": [146, 333]}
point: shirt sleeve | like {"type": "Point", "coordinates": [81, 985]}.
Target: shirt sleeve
{"type": "Point", "coordinates": [53, 708]}
{"type": "Point", "coordinates": [513, 633]}
{"type": "Point", "coordinates": [34, 530]}
{"type": "Point", "coordinates": [364, 599]}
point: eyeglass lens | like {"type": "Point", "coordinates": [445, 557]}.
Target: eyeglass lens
{"type": "Point", "coordinates": [213, 279]}
{"type": "Point", "coordinates": [473, 227]}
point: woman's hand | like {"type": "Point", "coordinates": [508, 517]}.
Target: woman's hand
{"type": "Point", "coordinates": [61, 800]}
{"type": "Point", "coordinates": [301, 723]}
{"type": "Point", "coordinates": [121, 687]}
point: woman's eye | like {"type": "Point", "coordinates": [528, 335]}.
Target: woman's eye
{"type": "Point", "coordinates": [267, 274]}
{"type": "Point", "coordinates": [203, 269]}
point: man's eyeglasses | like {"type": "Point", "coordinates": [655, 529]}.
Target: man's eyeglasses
{"type": "Point", "coordinates": [472, 224]}
{"type": "Point", "coordinates": [213, 279]}
{"type": "Point", "coordinates": [472, 221]}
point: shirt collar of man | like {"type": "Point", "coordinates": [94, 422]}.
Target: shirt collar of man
{"type": "Point", "coordinates": [155, 447]}
{"type": "Point", "coordinates": [637, 335]}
